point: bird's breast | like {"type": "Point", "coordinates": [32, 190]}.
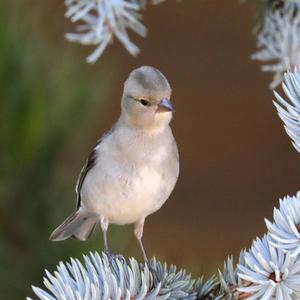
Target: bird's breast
{"type": "Point", "coordinates": [128, 184]}
{"type": "Point", "coordinates": [126, 193]}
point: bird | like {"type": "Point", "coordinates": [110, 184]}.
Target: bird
{"type": "Point", "coordinates": [133, 168]}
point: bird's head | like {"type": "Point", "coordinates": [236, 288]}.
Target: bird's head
{"type": "Point", "coordinates": [146, 98]}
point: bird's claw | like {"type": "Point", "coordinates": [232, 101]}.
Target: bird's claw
{"type": "Point", "coordinates": [112, 257]}
{"type": "Point", "coordinates": [153, 272]}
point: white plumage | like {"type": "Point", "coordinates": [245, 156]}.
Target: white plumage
{"type": "Point", "coordinates": [133, 169]}
{"type": "Point", "coordinates": [128, 181]}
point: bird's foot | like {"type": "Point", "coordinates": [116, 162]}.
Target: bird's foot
{"type": "Point", "coordinates": [153, 272]}
{"type": "Point", "coordinates": [112, 257]}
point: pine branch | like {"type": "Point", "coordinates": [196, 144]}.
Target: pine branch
{"type": "Point", "coordinates": [270, 269]}
{"type": "Point", "coordinates": [289, 110]}
{"type": "Point", "coordinates": [103, 278]}
{"type": "Point", "coordinates": [101, 21]}
{"type": "Point", "coordinates": [278, 31]}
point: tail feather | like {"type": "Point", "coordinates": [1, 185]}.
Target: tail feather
{"type": "Point", "coordinates": [79, 225]}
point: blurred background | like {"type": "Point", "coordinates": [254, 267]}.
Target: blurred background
{"type": "Point", "coordinates": [236, 160]}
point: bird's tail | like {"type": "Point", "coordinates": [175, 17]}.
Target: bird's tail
{"type": "Point", "coordinates": [79, 225]}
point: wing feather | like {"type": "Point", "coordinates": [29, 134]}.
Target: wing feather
{"type": "Point", "coordinates": [90, 163]}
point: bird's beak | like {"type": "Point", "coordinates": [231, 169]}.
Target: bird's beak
{"type": "Point", "coordinates": [165, 105]}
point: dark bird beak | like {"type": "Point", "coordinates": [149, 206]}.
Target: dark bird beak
{"type": "Point", "coordinates": [165, 105]}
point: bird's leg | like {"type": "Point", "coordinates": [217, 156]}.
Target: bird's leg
{"type": "Point", "coordinates": [143, 251]}
{"type": "Point", "coordinates": [104, 227]}
{"type": "Point", "coordinates": [138, 232]}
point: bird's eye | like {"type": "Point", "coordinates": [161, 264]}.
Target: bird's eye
{"type": "Point", "coordinates": [145, 102]}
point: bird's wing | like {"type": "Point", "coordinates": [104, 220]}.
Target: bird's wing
{"type": "Point", "coordinates": [90, 163]}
